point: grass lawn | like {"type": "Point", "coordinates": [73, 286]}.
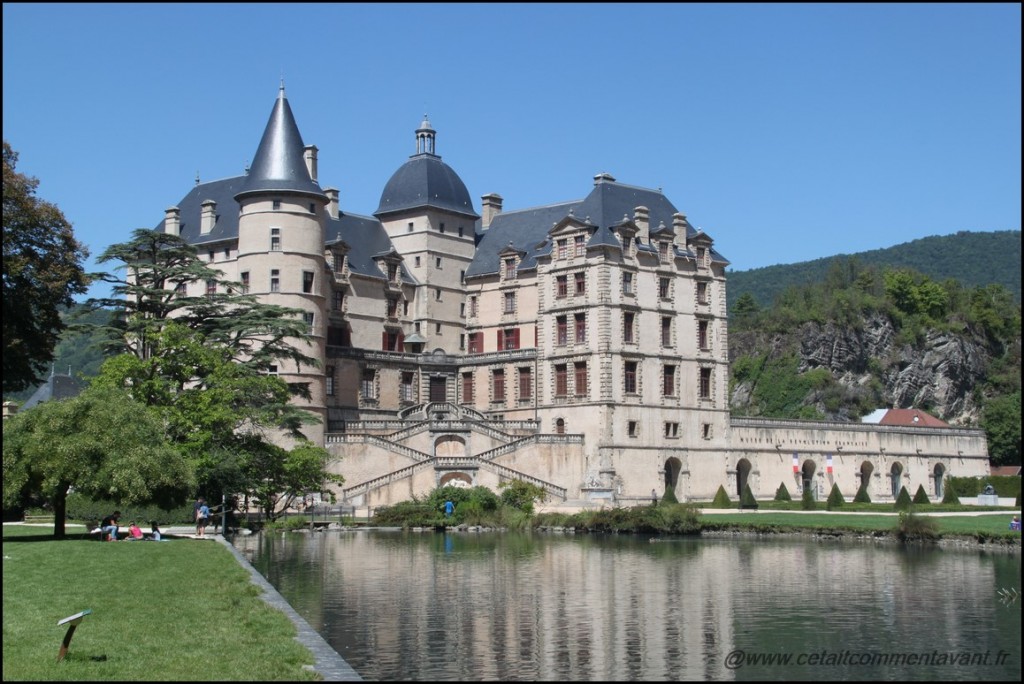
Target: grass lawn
{"type": "Point", "coordinates": [984, 526]}
{"type": "Point", "coordinates": [176, 610]}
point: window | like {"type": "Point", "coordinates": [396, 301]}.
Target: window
{"type": "Point", "coordinates": [508, 339]}
{"type": "Point", "coordinates": [669, 382]}
{"type": "Point", "coordinates": [631, 428]}
{"type": "Point", "coordinates": [705, 430]}
{"type": "Point", "coordinates": [275, 280]}
{"type": "Point", "coordinates": [437, 262]}
{"type": "Point", "coordinates": [628, 322]}
{"type": "Point", "coordinates": [462, 276]}
{"type": "Point", "coordinates": [472, 306]}
{"type": "Point", "coordinates": [561, 324]}
{"type": "Point", "coordinates": [307, 317]}
{"type": "Point", "coordinates": [338, 336]}
{"type": "Point", "coordinates": [627, 283]}
{"type": "Point", "coordinates": [405, 388]}
{"type": "Point", "coordinates": [666, 331]}
{"type": "Point", "coordinates": [462, 309]}
{"type": "Point", "coordinates": [525, 383]}
{"type": "Point", "coordinates": [663, 251]}
{"type": "Point", "coordinates": [392, 272]}
{"type": "Point", "coordinates": [245, 282]}
{"type": "Point", "coordinates": [437, 294]}
{"type": "Point", "coordinates": [702, 256]}
{"type": "Point", "coordinates": [563, 249]}
{"type": "Point", "coordinates": [460, 231]}
{"type": "Point", "coordinates": [391, 341]}
{"type": "Point", "coordinates": [630, 377]}
{"type": "Point", "coordinates": [561, 286]}
{"type": "Point", "coordinates": [702, 335]}
{"type": "Point", "coordinates": [329, 380]}
{"type": "Point", "coordinates": [437, 329]}
{"type": "Point", "coordinates": [664, 287]}
{"type": "Point", "coordinates": [510, 269]}
{"type": "Point", "coordinates": [581, 328]}
{"type": "Point", "coordinates": [368, 384]}
{"type": "Point", "coordinates": [416, 262]}
{"type": "Point", "coordinates": [338, 262]}
{"type": "Point", "coordinates": [475, 343]}
{"type": "Point", "coordinates": [211, 288]}
{"type": "Point", "coordinates": [581, 283]}
{"type": "Point", "coordinates": [227, 252]}
{"type": "Point", "coordinates": [581, 378]}
{"type": "Point", "coordinates": [441, 227]}
{"type": "Point", "coordinates": [702, 293]}
{"type": "Point", "coordinates": [462, 341]}
{"type": "Point", "coordinates": [510, 302]}
{"type": "Point", "coordinates": [671, 430]}
{"type": "Point", "coordinates": [180, 289]}
{"type": "Point", "coordinates": [210, 255]}
{"type": "Point", "coordinates": [409, 228]}
{"type": "Point", "coordinates": [580, 244]}
{"type": "Point", "coordinates": [312, 208]}
{"type": "Point", "coordinates": [275, 239]}
{"type": "Point", "coordinates": [339, 300]}
{"type": "Point", "coordinates": [467, 388]}
{"type": "Point", "coordinates": [307, 281]}
{"type": "Point", "coordinates": [392, 307]}
{"type": "Point", "coordinates": [561, 381]}
{"type": "Point", "coordinates": [277, 205]}
{"type": "Point", "coordinates": [705, 383]}
{"type": "Point", "coordinates": [498, 386]}
{"type": "Point", "coordinates": [272, 369]}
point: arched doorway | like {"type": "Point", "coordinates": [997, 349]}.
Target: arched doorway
{"type": "Point", "coordinates": [807, 475]}
{"type": "Point", "coordinates": [560, 426]}
{"type": "Point", "coordinates": [937, 474]}
{"type": "Point", "coordinates": [449, 446]}
{"type": "Point", "coordinates": [865, 477]}
{"type": "Point", "coordinates": [742, 475]}
{"type": "Point", "coordinates": [894, 479]}
{"type": "Point", "coordinates": [673, 467]}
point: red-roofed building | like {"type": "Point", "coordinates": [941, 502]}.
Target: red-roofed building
{"type": "Point", "coordinates": [1010, 470]}
{"type": "Point", "coordinates": [911, 418]}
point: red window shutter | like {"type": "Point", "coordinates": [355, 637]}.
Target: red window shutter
{"type": "Point", "coordinates": [401, 339]}
{"type": "Point", "coordinates": [515, 338]}
{"type": "Point", "coordinates": [384, 340]}
{"type": "Point", "coordinates": [501, 340]}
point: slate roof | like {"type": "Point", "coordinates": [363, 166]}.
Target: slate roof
{"type": "Point", "coordinates": [606, 205]}
{"type": "Point", "coordinates": [55, 387]}
{"type": "Point", "coordinates": [425, 181]}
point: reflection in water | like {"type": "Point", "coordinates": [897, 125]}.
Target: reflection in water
{"type": "Point", "coordinates": [512, 606]}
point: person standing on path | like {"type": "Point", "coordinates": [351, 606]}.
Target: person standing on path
{"type": "Point", "coordinates": [202, 516]}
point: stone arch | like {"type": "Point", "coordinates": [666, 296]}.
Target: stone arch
{"type": "Point", "coordinates": [450, 446]}
{"type": "Point", "coordinates": [895, 475]}
{"type": "Point", "coordinates": [455, 479]}
{"type": "Point", "coordinates": [807, 478]}
{"type": "Point", "coordinates": [938, 472]}
{"type": "Point", "coordinates": [742, 475]}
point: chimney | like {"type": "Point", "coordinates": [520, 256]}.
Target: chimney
{"type": "Point", "coordinates": [679, 228]}
{"type": "Point", "coordinates": [172, 221]}
{"type": "Point", "coordinates": [208, 217]}
{"type": "Point", "coordinates": [643, 225]}
{"type": "Point", "coordinates": [491, 207]}
{"type": "Point", "coordinates": [310, 156]}
{"type": "Point", "coordinates": [332, 202]}
{"type": "Point", "coordinates": [603, 176]}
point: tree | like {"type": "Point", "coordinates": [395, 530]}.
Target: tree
{"type": "Point", "coordinates": [276, 477]}
{"type": "Point", "coordinates": [102, 443]}
{"type": "Point", "coordinates": [521, 495]}
{"type": "Point", "coordinates": [42, 272]}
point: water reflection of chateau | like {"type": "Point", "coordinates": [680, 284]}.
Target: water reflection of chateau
{"type": "Point", "coordinates": [543, 608]}
{"type": "Point", "coordinates": [580, 345]}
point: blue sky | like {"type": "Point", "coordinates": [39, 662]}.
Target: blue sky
{"type": "Point", "coordinates": [786, 132]}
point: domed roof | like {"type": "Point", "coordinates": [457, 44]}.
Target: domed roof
{"type": "Point", "coordinates": [425, 181]}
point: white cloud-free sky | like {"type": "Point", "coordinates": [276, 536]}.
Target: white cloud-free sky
{"type": "Point", "coordinates": [786, 132]}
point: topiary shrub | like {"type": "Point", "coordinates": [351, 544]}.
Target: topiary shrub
{"type": "Point", "coordinates": [782, 493]}
{"type": "Point", "coordinates": [862, 495]}
{"type": "Point", "coordinates": [949, 495]}
{"type": "Point", "coordinates": [903, 501]}
{"type": "Point", "coordinates": [807, 500]}
{"type": "Point", "coordinates": [669, 497]}
{"type": "Point", "coordinates": [747, 499]}
{"type": "Point", "coordinates": [721, 499]}
{"type": "Point", "coordinates": [920, 497]}
{"type": "Point", "coordinates": [835, 498]}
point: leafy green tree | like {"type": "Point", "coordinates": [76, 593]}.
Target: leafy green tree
{"type": "Point", "coordinates": [521, 495]}
{"type": "Point", "coordinates": [42, 272]}
{"type": "Point", "coordinates": [1001, 421]}
{"type": "Point", "coordinates": [102, 443]}
{"type": "Point", "coordinates": [276, 477]}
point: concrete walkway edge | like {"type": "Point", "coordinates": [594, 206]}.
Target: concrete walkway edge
{"type": "Point", "coordinates": [331, 666]}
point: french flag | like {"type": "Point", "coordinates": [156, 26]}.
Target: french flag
{"type": "Point", "coordinates": [796, 463]}
{"type": "Point", "coordinates": [828, 464]}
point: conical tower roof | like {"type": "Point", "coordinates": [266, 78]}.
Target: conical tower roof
{"type": "Point", "coordinates": [279, 164]}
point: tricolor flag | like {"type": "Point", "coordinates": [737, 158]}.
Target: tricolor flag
{"type": "Point", "coordinates": [796, 463]}
{"type": "Point", "coordinates": [828, 464]}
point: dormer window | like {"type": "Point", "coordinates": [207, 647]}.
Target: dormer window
{"type": "Point", "coordinates": [277, 205]}
{"type": "Point", "coordinates": [702, 255]}
{"type": "Point", "coordinates": [510, 269]}
{"type": "Point", "coordinates": [580, 245]}
{"type": "Point", "coordinates": [392, 272]}
{"type": "Point", "coordinates": [563, 249]}
{"type": "Point", "coordinates": [663, 251]}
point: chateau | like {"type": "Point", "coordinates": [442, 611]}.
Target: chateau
{"type": "Point", "coordinates": [581, 345]}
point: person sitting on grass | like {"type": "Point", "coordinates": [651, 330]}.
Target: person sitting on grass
{"type": "Point", "coordinates": [155, 533]}
{"type": "Point", "coordinates": [134, 532]}
{"type": "Point", "coordinates": [109, 526]}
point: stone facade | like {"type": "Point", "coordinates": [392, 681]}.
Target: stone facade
{"type": "Point", "coordinates": [582, 345]}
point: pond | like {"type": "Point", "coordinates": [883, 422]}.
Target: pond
{"type": "Point", "coordinates": [551, 606]}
